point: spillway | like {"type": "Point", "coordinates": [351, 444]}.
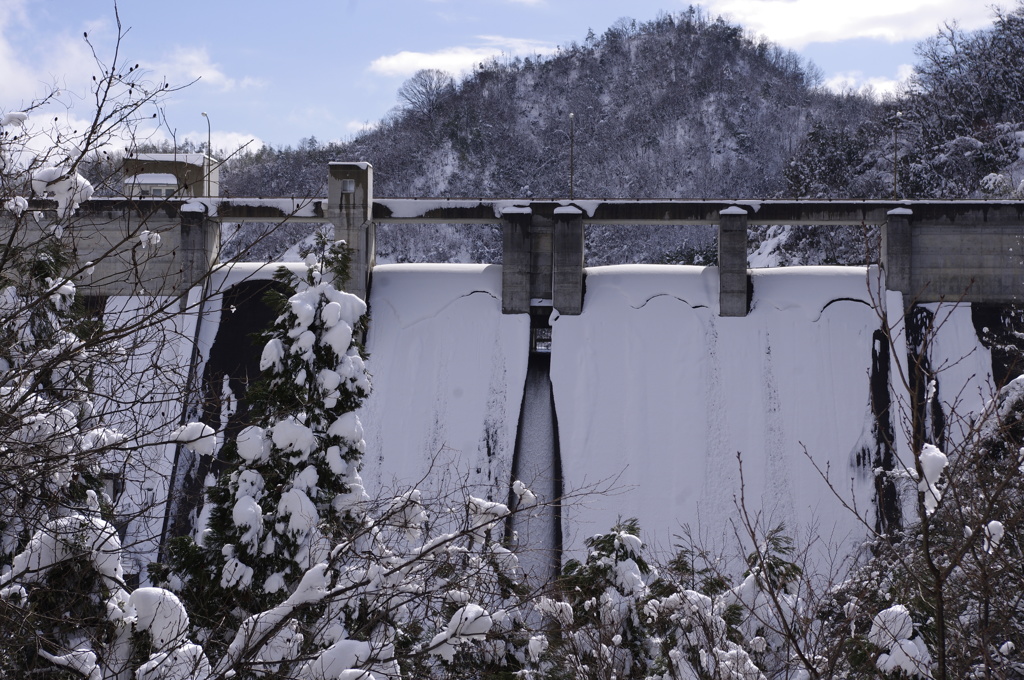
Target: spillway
{"type": "Point", "coordinates": [537, 532]}
{"type": "Point", "coordinates": [447, 370]}
{"type": "Point", "coordinates": [657, 397]}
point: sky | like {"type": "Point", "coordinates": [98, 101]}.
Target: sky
{"type": "Point", "coordinates": [277, 72]}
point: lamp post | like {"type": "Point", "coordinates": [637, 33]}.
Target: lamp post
{"type": "Point", "coordinates": [895, 155]}
{"type": "Point", "coordinates": [572, 155]}
{"type": "Point", "coordinates": [209, 152]}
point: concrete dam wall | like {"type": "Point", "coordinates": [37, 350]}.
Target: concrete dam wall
{"type": "Point", "coordinates": [656, 396]}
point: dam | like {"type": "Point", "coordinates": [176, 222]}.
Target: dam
{"type": "Point", "coordinates": [699, 400]}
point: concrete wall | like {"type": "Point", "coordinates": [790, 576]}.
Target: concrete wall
{"type": "Point", "coordinates": [115, 248]}
{"type": "Point", "coordinates": [981, 260]}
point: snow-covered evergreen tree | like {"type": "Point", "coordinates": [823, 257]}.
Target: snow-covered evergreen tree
{"type": "Point", "coordinates": [603, 599]}
{"type": "Point", "coordinates": [297, 572]}
{"type": "Point", "coordinates": [619, 617]}
{"type": "Point", "coordinates": [290, 483]}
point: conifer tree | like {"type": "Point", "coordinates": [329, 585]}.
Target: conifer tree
{"type": "Point", "coordinates": [605, 596]}
{"type": "Point", "coordinates": [290, 482]}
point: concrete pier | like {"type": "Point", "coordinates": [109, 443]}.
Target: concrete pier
{"type": "Point", "coordinates": [567, 253]}
{"type": "Point", "coordinates": [350, 209]}
{"type": "Point", "coordinates": [733, 289]}
{"type": "Point", "coordinates": [516, 260]}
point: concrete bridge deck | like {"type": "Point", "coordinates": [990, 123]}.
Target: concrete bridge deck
{"type": "Point", "coordinates": [931, 250]}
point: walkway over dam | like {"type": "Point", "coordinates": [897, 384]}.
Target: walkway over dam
{"type": "Point", "coordinates": [930, 250]}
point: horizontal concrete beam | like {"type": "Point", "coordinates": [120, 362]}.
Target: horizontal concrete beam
{"type": "Point", "coordinates": [690, 212]}
{"type": "Point", "coordinates": [603, 211]}
{"type": "Point", "coordinates": [223, 209]}
{"type": "Point", "coordinates": [264, 210]}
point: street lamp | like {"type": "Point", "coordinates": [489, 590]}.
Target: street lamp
{"type": "Point", "coordinates": [209, 152]}
{"type": "Point", "coordinates": [572, 154]}
{"type": "Point", "coordinates": [895, 155]}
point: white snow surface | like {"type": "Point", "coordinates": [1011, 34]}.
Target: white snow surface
{"type": "Point", "coordinates": [13, 118]}
{"type": "Point", "coordinates": [66, 187]}
{"type": "Point", "coordinates": [893, 630]}
{"type": "Point", "coordinates": [933, 462]}
{"type": "Point", "coordinates": [199, 437]}
{"type": "Point", "coordinates": [448, 370]}
{"type": "Point", "coordinates": [656, 394]}
{"type": "Point", "coordinates": [162, 614]}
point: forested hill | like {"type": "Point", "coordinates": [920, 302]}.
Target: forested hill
{"type": "Point", "coordinates": [683, 105]}
{"type": "Point", "coordinates": [678, 106]}
{"type": "Point", "coordinates": [688, 106]}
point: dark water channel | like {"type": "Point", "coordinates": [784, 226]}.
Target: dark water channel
{"type": "Point", "coordinates": [536, 462]}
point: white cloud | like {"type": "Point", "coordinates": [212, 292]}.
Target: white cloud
{"type": "Point", "coordinates": [186, 64]}
{"type": "Point", "coordinates": [232, 141]}
{"type": "Point", "coordinates": [354, 127]}
{"type": "Point", "coordinates": [222, 140]}
{"type": "Point", "coordinates": [795, 23]}
{"type": "Point", "coordinates": [458, 59]}
{"type": "Point", "coordinates": [857, 81]}
{"type": "Point", "coordinates": [34, 63]}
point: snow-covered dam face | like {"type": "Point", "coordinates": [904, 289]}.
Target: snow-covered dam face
{"type": "Point", "coordinates": [658, 399]}
{"type": "Point", "coordinates": [676, 397]}
{"type": "Point", "coordinates": [448, 371]}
